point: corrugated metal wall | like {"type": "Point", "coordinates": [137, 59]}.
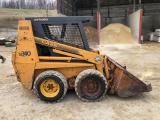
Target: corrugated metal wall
{"type": "Point", "coordinates": [151, 16]}
{"type": "Point", "coordinates": [121, 11]}
{"type": "Point", "coordinates": [68, 7]}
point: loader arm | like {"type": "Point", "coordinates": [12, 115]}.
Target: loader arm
{"type": "Point", "coordinates": [73, 52]}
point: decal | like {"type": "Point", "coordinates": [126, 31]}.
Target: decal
{"type": "Point", "coordinates": [23, 28]}
{"type": "Point", "coordinates": [25, 53]}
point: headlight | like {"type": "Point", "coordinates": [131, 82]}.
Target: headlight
{"type": "Point", "coordinates": [97, 59]}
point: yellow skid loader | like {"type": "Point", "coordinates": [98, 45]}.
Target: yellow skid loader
{"type": "Point", "coordinates": [52, 55]}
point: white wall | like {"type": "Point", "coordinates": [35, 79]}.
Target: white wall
{"type": "Point", "coordinates": [135, 23]}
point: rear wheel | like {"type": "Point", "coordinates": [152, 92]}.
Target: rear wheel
{"type": "Point", "coordinates": [50, 86]}
{"type": "Point", "coordinates": [90, 85]}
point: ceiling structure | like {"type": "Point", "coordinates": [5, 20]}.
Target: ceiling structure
{"type": "Point", "coordinates": [80, 4]}
{"type": "Point", "coordinates": [115, 8]}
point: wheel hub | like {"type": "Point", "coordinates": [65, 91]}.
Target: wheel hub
{"type": "Point", "coordinates": [50, 88]}
{"type": "Point", "coordinates": [91, 87]}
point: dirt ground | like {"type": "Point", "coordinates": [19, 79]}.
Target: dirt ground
{"type": "Point", "coordinates": [141, 60]}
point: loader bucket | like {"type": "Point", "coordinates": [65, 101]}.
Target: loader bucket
{"type": "Point", "coordinates": [123, 83]}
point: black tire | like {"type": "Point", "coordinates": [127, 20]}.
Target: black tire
{"type": "Point", "coordinates": [54, 91]}
{"type": "Point", "coordinates": [90, 85]}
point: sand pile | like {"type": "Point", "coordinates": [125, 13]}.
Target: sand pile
{"type": "Point", "coordinates": [91, 34]}
{"type": "Point", "coordinates": [116, 34]}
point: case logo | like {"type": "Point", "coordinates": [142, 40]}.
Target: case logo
{"type": "Point", "coordinates": [25, 53]}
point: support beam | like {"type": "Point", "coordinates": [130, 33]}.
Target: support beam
{"type": "Point", "coordinates": [140, 26]}
{"type": "Point", "coordinates": [134, 5]}
{"type": "Point", "coordinates": [98, 21]}
{"type": "Point", "coordinates": [139, 4]}
{"type": "Point", "coordinates": [130, 6]}
{"type": "Point", "coordinates": [108, 9]}
{"type": "Point", "coordinates": [92, 7]}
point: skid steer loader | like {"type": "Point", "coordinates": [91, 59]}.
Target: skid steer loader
{"type": "Point", "coordinates": [52, 55]}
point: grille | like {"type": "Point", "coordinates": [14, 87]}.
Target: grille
{"type": "Point", "coordinates": [68, 34]}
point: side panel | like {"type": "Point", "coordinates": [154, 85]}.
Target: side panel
{"type": "Point", "coordinates": [26, 51]}
{"type": "Point", "coordinates": [25, 73]}
{"type": "Point", "coordinates": [25, 56]}
{"type": "Point", "coordinates": [50, 65]}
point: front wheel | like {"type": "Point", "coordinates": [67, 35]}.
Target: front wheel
{"type": "Point", "coordinates": [90, 85]}
{"type": "Point", "coordinates": [50, 86]}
